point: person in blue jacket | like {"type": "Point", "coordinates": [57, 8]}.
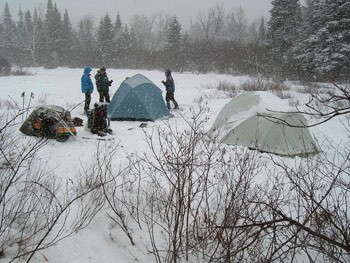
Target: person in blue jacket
{"type": "Point", "coordinates": [87, 87]}
{"type": "Point", "coordinates": [170, 90]}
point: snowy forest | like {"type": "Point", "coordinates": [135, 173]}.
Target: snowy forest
{"type": "Point", "coordinates": [305, 42]}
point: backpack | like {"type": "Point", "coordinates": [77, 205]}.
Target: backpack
{"type": "Point", "coordinates": [98, 120]}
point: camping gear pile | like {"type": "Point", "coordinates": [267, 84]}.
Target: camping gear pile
{"type": "Point", "coordinates": [49, 121]}
{"type": "Point", "coordinates": [98, 121]}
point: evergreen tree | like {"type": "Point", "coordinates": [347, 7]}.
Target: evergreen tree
{"type": "Point", "coordinates": [118, 26]}
{"type": "Point", "coordinates": [312, 17]}
{"type": "Point", "coordinates": [131, 54]}
{"type": "Point", "coordinates": [38, 46]}
{"type": "Point", "coordinates": [68, 40]}
{"type": "Point", "coordinates": [53, 34]}
{"type": "Point", "coordinates": [283, 29]}
{"type": "Point", "coordinates": [8, 34]}
{"type": "Point", "coordinates": [21, 39]}
{"type": "Point", "coordinates": [87, 46]}
{"type": "Point", "coordinates": [119, 35]}
{"type": "Point", "coordinates": [324, 52]}
{"type": "Point", "coordinates": [30, 38]}
{"type": "Point", "coordinates": [125, 56]}
{"type": "Point", "coordinates": [173, 44]}
{"type": "Point", "coordinates": [262, 32]}
{"type": "Point", "coordinates": [173, 35]}
{"type": "Point", "coordinates": [106, 41]}
{"type": "Point", "coordinates": [333, 50]}
{"type": "Point", "coordinates": [303, 50]}
{"type": "Point", "coordinates": [125, 42]}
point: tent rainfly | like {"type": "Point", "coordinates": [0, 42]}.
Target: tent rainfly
{"type": "Point", "coordinates": [240, 122]}
{"type": "Point", "coordinates": [138, 99]}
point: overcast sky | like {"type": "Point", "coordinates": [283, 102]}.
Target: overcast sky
{"type": "Point", "coordinates": [185, 10]}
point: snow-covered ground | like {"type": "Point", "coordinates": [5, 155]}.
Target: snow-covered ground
{"type": "Point", "coordinates": [101, 241]}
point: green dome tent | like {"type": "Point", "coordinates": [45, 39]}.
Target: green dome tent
{"type": "Point", "coordinates": [138, 99]}
{"type": "Point", "coordinates": [244, 121]}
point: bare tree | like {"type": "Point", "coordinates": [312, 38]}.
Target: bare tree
{"type": "Point", "coordinates": [237, 26]}
{"type": "Point", "coordinates": [86, 39]}
{"type": "Point", "coordinates": [212, 23]}
{"type": "Point", "coordinates": [160, 24]}
{"type": "Point", "coordinates": [142, 27]}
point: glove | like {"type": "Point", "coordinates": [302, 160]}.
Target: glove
{"type": "Point", "coordinates": [110, 82]}
{"type": "Point", "coordinates": [163, 82]}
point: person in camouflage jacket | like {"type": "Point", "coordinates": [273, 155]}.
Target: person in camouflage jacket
{"type": "Point", "coordinates": [103, 84]}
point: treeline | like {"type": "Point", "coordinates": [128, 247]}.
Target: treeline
{"type": "Point", "coordinates": [304, 42]}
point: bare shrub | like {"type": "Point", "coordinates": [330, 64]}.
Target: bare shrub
{"type": "Point", "coordinates": [193, 188]}
{"type": "Point", "coordinates": [308, 89]}
{"type": "Point", "coordinates": [225, 232]}
{"type": "Point", "coordinates": [176, 173]}
{"type": "Point", "coordinates": [281, 90]}
{"type": "Point", "coordinates": [37, 209]}
{"type": "Point", "coordinates": [308, 201]}
{"type": "Point", "coordinates": [229, 88]}
{"type": "Point", "coordinates": [256, 84]}
{"type": "Point", "coordinates": [313, 88]}
{"type": "Point", "coordinates": [5, 66]}
{"type": "Point", "coordinates": [308, 204]}
{"type": "Point", "coordinates": [204, 201]}
{"type": "Point", "coordinates": [20, 72]}
{"type": "Point", "coordinates": [118, 189]}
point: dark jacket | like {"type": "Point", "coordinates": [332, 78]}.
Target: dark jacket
{"type": "Point", "coordinates": [102, 82]}
{"type": "Point", "coordinates": [169, 83]}
{"type": "Point", "coordinates": [86, 84]}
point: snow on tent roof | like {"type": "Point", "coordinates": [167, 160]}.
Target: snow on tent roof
{"type": "Point", "coordinates": [138, 99]}
{"type": "Point", "coordinates": [245, 121]}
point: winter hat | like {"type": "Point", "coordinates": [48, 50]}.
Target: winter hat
{"type": "Point", "coordinates": [103, 69]}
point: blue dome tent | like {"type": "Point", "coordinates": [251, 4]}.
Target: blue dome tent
{"type": "Point", "coordinates": [138, 99]}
